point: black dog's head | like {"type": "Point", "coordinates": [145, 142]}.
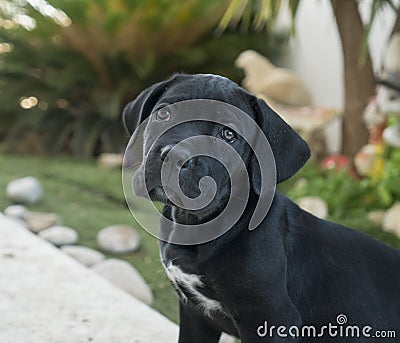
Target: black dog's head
{"type": "Point", "coordinates": [289, 150]}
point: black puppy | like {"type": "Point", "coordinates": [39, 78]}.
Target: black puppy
{"type": "Point", "coordinates": [293, 278]}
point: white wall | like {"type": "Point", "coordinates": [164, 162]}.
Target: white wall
{"type": "Point", "coordinates": [315, 52]}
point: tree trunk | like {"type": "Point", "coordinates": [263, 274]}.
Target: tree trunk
{"type": "Point", "coordinates": [359, 83]}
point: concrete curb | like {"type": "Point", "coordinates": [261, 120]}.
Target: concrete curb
{"type": "Point", "coordinates": [46, 296]}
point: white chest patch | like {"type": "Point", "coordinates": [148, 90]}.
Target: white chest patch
{"type": "Point", "coordinates": [190, 283]}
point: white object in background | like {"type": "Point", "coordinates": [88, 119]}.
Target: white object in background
{"type": "Point", "coordinates": [16, 211]}
{"type": "Point", "coordinates": [59, 235]}
{"type": "Point", "coordinates": [84, 255]}
{"type": "Point", "coordinates": [388, 101]}
{"type": "Point", "coordinates": [268, 81]}
{"type": "Point", "coordinates": [391, 62]}
{"type": "Point", "coordinates": [314, 205]}
{"type": "Point", "coordinates": [118, 239]}
{"type": "Point", "coordinates": [38, 221]}
{"type": "Point", "coordinates": [391, 219]}
{"type": "Point", "coordinates": [123, 275]}
{"type": "Point", "coordinates": [391, 135]}
{"type": "Point", "coordinates": [27, 190]}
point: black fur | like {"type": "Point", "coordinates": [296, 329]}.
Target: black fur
{"type": "Point", "coordinates": [294, 269]}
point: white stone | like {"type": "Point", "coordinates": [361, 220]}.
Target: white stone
{"type": "Point", "coordinates": [391, 219]}
{"type": "Point", "coordinates": [125, 276]}
{"type": "Point", "coordinates": [48, 297]}
{"type": "Point", "coordinates": [387, 99]}
{"type": "Point", "coordinates": [59, 235]}
{"type": "Point", "coordinates": [16, 211]}
{"type": "Point", "coordinates": [38, 221]}
{"type": "Point", "coordinates": [314, 205]}
{"type": "Point", "coordinates": [227, 339]}
{"type": "Point", "coordinates": [376, 217]}
{"type": "Point", "coordinates": [27, 190]}
{"type": "Point", "coordinates": [84, 255]}
{"type": "Point", "coordinates": [110, 161]}
{"type": "Point", "coordinates": [391, 136]}
{"type": "Point", "coordinates": [118, 239]}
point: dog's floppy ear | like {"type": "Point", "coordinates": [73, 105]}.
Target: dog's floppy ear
{"type": "Point", "coordinates": [140, 108]}
{"type": "Point", "coordinates": [290, 151]}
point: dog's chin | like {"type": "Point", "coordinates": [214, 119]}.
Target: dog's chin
{"type": "Point", "coordinates": [183, 216]}
{"type": "Point", "coordinates": [158, 194]}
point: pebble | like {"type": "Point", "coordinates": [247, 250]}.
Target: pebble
{"type": "Point", "coordinates": [314, 205]}
{"type": "Point", "coordinates": [38, 221]}
{"type": "Point", "coordinates": [84, 255]}
{"type": "Point", "coordinates": [123, 275]}
{"type": "Point", "coordinates": [391, 219]}
{"type": "Point", "coordinates": [16, 211]}
{"type": "Point", "coordinates": [59, 235]}
{"type": "Point", "coordinates": [27, 190]}
{"type": "Point", "coordinates": [118, 239]}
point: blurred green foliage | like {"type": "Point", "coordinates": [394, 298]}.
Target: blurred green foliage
{"type": "Point", "coordinates": [345, 195]}
{"type": "Point", "coordinates": [75, 68]}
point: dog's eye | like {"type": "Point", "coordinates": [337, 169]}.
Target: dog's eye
{"type": "Point", "coordinates": [163, 115]}
{"type": "Point", "coordinates": [228, 135]}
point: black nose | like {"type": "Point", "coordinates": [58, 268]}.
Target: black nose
{"type": "Point", "coordinates": [179, 155]}
{"type": "Point", "coordinates": [164, 153]}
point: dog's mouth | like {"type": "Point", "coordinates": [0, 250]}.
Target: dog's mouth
{"type": "Point", "coordinates": [158, 194]}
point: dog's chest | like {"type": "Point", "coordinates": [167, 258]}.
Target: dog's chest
{"type": "Point", "coordinates": [191, 287]}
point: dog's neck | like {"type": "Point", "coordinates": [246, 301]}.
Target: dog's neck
{"type": "Point", "coordinates": [184, 217]}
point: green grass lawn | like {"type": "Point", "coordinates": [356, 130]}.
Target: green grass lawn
{"type": "Point", "coordinates": [88, 199]}
{"type": "Point", "coordinates": [348, 202]}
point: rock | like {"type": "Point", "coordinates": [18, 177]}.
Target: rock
{"type": "Point", "coordinates": [110, 161]}
{"type": "Point", "coordinates": [314, 205]}
{"type": "Point", "coordinates": [84, 255]}
{"type": "Point", "coordinates": [391, 219]}
{"type": "Point", "coordinates": [27, 190]}
{"type": "Point", "coordinates": [59, 235]}
{"type": "Point", "coordinates": [391, 135]}
{"type": "Point", "coordinates": [118, 239]}
{"type": "Point", "coordinates": [225, 338]}
{"type": "Point", "coordinates": [125, 276]}
{"type": "Point", "coordinates": [38, 221]}
{"type": "Point", "coordinates": [16, 211]}
{"type": "Point", "coordinates": [376, 217]}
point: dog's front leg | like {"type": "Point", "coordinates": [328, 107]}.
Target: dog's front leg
{"type": "Point", "coordinates": [275, 326]}
{"type": "Point", "coordinates": [195, 328]}
{"type": "Point", "coordinates": [266, 334]}
{"type": "Point", "coordinates": [251, 337]}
